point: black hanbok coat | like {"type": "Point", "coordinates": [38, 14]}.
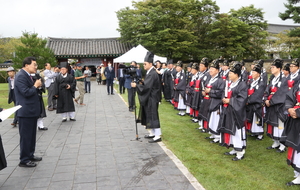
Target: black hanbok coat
{"type": "Point", "coordinates": [180, 87]}
{"type": "Point", "coordinates": [167, 79]}
{"type": "Point", "coordinates": [65, 97]}
{"type": "Point", "coordinates": [254, 101]}
{"type": "Point", "coordinates": [149, 97]}
{"type": "Point", "coordinates": [234, 115]}
{"type": "Point", "coordinates": [296, 80]}
{"type": "Point", "coordinates": [190, 90]}
{"type": "Point", "coordinates": [197, 96]}
{"type": "Point", "coordinates": [276, 109]}
{"type": "Point", "coordinates": [213, 103]}
{"type": "Point", "coordinates": [291, 134]}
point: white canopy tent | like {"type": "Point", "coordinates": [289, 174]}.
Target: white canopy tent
{"type": "Point", "coordinates": [137, 54]}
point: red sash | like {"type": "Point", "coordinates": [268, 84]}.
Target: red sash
{"type": "Point", "coordinates": [228, 96]}
{"type": "Point", "coordinates": [290, 84]}
{"type": "Point", "coordinates": [273, 90]}
{"type": "Point", "coordinates": [197, 86]}
{"type": "Point", "coordinates": [207, 94]}
{"type": "Point", "coordinates": [224, 77]}
{"type": "Point", "coordinates": [176, 81]}
{"type": "Point", "coordinates": [191, 83]}
{"type": "Point", "coordinates": [250, 91]}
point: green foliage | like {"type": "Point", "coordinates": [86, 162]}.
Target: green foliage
{"type": "Point", "coordinates": [295, 32]}
{"type": "Point", "coordinates": [3, 76]}
{"type": "Point", "coordinates": [166, 27]}
{"type": "Point", "coordinates": [33, 46]}
{"type": "Point", "coordinates": [193, 29]}
{"type": "Point", "coordinates": [256, 31]}
{"type": "Point", "coordinates": [8, 47]}
{"type": "Point", "coordinates": [291, 12]}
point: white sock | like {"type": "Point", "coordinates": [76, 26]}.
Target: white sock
{"type": "Point", "coordinates": [240, 154]}
{"type": "Point", "coordinates": [281, 147]}
{"type": "Point", "coordinates": [260, 136]}
{"type": "Point", "coordinates": [156, 137]}
{"type": "Point", "coordinates": [297, 180]}
{"type": "Point", "coordinates": [275, 144]}
{"type": "Point", "coordinates": [150, 132]}
{"type": "Point", "coordinates": [296, 174]}
{"type": "Point", "coordinates": [232, 151]}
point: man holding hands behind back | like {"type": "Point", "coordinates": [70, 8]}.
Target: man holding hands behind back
{"type": "Point", "coordinates": [149, 96]}
{"type": "Point", "coordinates": [26, 93]}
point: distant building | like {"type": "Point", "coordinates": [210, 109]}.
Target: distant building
{"type": "Point", "coordinates": [88, 51]}
{"type": "Point", "coordinates": [275, 51]}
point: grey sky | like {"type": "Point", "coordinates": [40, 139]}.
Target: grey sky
{"type": "Point", "coordinates": [92, 18]}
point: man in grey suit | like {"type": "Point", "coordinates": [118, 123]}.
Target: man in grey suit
{"type": "Point", "coordinates": [49, 77]}
{"type": "Point", "coordinates": [26, 94]}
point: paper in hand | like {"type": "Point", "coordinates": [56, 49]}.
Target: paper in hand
{"type": "Point", "coordinates": [7, 112]}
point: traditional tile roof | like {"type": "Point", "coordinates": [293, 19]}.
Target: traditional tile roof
{"type": "Point", "coordinates": [88, 47]}
{"type": "Point", "coordinates": [277, 28]}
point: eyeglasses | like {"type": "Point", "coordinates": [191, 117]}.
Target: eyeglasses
{"type": "Point", "coordinates": [293, 66]}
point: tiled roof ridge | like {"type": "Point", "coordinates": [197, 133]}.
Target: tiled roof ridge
{"type": "Point", "coordinates": [86, 39]}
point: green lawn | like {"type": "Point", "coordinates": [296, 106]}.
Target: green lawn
{"type": "Point", "coordinates": [260, 169]}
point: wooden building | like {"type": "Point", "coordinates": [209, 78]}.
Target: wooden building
{"type": "Point", "coordinates": [89, 51]}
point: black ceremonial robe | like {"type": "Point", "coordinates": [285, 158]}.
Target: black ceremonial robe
{"type": "Point", "coordinates": [180, 87]}
{"type": "Point", "coordinates": [168, 84]}
{"type": "Point", "coordinates": [254, 101]}
{"type": "Point", "coordinates": [234, 115]}
{"type": "Point", "coordinates": [212, 101]}
{"type": "Point", "coordinates": [276, 109]}
{"type": "Point", "coordinates": [65, 101]}
{"type": "Point", "coordinates": [149, 97]}
{"type": "Point", "coordinates": [197, 96]}
{"type": "Point", "coordinates": [291, 134]}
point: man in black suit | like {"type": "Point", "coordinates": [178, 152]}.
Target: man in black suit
{"type": "Point", "coordinates": [109, 73]}
{"type": "Point", "coordinates": [121, 79]}
{"type": "Point", "coordinates": [26, 93]}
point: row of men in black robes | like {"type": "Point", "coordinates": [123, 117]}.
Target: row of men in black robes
{"type": "Point", "coordinates": [228, 101]}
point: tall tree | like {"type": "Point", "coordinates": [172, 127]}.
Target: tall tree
{"type": "Point", "coordinates": [167, 27]}
{"type": "Point", "coordinates": [292, 11]}
{"type": "Point", "coordinates": [228, 37]}
{"type": "Point", "coordinates": [256, 32]}
{"type": "Point", "coordinates": [33, 46]}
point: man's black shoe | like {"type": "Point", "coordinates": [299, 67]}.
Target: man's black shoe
{"type": "Point", "coordinates": [43, 128]}
{"type": "Point", "coordinates": [292, 183]}
{"type": "Point", "coordinates": [72, 119]}
{"type": "Point", "coordinates": [149, 137]}
{"type": "Point", "coordinates": [130, 109]}
{"type": "Point", "coordinates": [270, 147]}
{"type": "Point", "coordinates": [154, 141]}
{"type": "Point", "coordinates": [112, 94]}
{"type": "Point", "coordinates": [29, 164]}
{"type": "Point", "coordinates": [237, 159]}
{"type": "Point", "coordinates": [36, 159]}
